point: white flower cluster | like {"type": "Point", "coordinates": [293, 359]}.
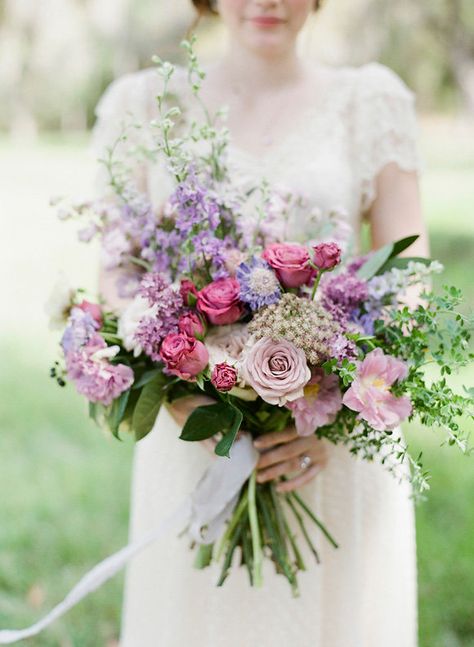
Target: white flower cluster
{"type": "Point", "coordinates": [397, 280]}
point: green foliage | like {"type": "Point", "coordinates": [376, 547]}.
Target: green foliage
{"type": "Point", "coordinates": [148, 405]}
{"type": "Point", "coordinates": [376, 263]}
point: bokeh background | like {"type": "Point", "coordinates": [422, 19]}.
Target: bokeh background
{"type": "Point", "coordinates": [64, 485]}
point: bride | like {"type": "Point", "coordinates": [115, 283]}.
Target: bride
{"type": "Point", "coordinates": [345, 138]}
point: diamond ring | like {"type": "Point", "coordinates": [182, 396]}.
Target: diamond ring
{"type": "Point", "coordinates": [305, 461]}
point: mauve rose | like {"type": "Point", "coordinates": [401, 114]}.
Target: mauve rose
{"type": "Point", "coordinates": [184, 356]}
{"type": "Point", "coordinates": [187, 287]}
{"type": "Point", "coordinates": [277, 370]}
{"type": "Point", "coordinates": [192, 324]}
{"type": "Point", "coordinates": [224, 377]}
{"type": "Point", "coordinates": [220, 302]}
{"type": "Point", "coordinates": [290, 262]}
{"type": "Point", "coordinates": [93, 309]}
{"type": "Point", "coordinates": [327, 255]}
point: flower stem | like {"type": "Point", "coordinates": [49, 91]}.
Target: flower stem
{"type": "Point", "coordinates": [232, 525]}
{"type": "Point", "coordinates": [316, 283]}
{"type": "Point", "coordinates": [312, 516]}
{"type": "Point", "coordinates": [254, 529]}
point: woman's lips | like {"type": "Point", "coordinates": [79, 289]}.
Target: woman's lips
{"type": "Point", "coordinates": [266, 21]}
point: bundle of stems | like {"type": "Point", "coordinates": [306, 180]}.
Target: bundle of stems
{"type": "Point", "coordinates": [260, 527]}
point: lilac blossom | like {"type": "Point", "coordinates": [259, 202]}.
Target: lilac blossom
{"type": "Point", "coordinates": [344, 290]}
{"type": "Point", "coordinates": [259, 285]}
{"type": "Point", "coordinates": [194, 205]}
{"type": "Point", "coordinates": [167, 304]}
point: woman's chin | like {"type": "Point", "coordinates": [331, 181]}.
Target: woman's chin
{"type": "Point", "coordinates": [267, 44]}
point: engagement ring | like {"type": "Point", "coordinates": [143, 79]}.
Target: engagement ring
{"type": "Point", "coordinates": [305, 461]}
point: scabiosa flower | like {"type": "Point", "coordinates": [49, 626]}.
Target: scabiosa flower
{"type": "Point", "coordinates": [303, 322]}
{"type": "Point", "coordinates": [259, 285]}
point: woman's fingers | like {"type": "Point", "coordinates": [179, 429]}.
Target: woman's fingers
{"type": "Point", "coordinates": [275, 438]}
{"type": "Point", "coordinates": [292, 449]}
{"type": "Point", "coordinates": [282, 453]}
{"type": "Point", "coordinates": [298, 481]}
{"type": "Point", "coordinates": [278, 470]}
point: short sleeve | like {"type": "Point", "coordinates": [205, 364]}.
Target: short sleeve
{"type": "Point", "coordinates": [386, 128]}
{"type": "Point", "coordinates": [121, 109]}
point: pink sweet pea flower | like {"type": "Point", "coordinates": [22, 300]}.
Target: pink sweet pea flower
{"type": "Point", "coordinates": [319, 405]}
{"type": "Point", "coordinates": [370, 394]}
{"type": "Point", "coordinates": [290, 262]}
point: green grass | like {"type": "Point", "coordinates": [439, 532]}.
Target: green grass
{"type": "Point", "coordinates": [64, 506]}
{"type": "Point", "coordinates": [64, 486]}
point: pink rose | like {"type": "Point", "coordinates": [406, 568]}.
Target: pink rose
{"type": "Point", "coordinates": [370, 394]}
{"type": "Point", "coordinates": [319, 405]}
{"type": "Point", "coordinates": [224, 377]}
{"type": "Point", "coordinates": [290, 262]}
{"type": "Point", "coordinates": [327, 256]}
{"type": "Point", "coordinates": [186, 288]}
{"type": "Point", "coordinates": [192, 324]}
{"type": "Point", "coordinates": [220, 302]}
{"type": "Point", "coordinates": [184, 356]}
{"type": "Point", "coordinates": [277, 370]}
{"type": "Point", "coordinates": [93, 309]}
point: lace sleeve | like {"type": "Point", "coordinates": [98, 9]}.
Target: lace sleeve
{"type": "Point", "coordinates": [121, 115]}
{"type": "Point", "coordinates": [386, 127]}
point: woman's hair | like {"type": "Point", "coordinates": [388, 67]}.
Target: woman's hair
{"type": "Point", "coordinates": [209, 6]}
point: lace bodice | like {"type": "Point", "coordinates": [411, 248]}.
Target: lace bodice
{"type": "Point", "coordinates": [331, 156]}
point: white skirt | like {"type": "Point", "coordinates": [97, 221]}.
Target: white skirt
{"type": "Point", "coordinates": [361, 595]}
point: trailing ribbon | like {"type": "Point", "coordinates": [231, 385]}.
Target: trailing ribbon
{"type": "Point", "coordinates": [204, 513]}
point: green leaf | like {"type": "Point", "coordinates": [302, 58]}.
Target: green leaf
{"type": "Point", "coordinates": [208, 420]}
{"type": "Point", "coordinates": [116, 413]}
{"type": "Point", "coordinates": [375, 262]}
{"type": "Point", "coordinates": [378, 259]}
{"type": "Point", "coordinates": [148, 406]}
{"type": "Point", "coordinates": [404, 243]}
{"type": "Point", "coordinates": [223, 447]}
{"type": "Point", "coordinates": [402, 263]}
{"type": "Point", "coordinates": [203, 556]}
{"type": "Point", "coordinates": [146, 377]}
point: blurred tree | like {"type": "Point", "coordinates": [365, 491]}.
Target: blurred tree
{"type": "Point", "coordinates": [431, 44]}
{"type": "Point", "coordinates": [57, 56]}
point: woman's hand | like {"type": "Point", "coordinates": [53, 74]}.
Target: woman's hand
{"type": "Point", "coordinates": [182, 408]}
{"type": "Point", "coordinates": [282, 452]}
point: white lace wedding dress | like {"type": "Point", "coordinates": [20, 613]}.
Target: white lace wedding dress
{"type": "Point", "coordinates": [364, 593]}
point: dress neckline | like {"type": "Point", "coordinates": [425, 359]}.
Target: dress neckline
{"type": "Point", "coordinates": [307, 117]}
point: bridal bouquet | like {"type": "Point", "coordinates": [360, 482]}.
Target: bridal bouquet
{"type": "Point", "coordinates": [223, 302]}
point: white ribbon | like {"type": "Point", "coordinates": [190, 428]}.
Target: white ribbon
{"type": "Point", "coordinates": [205, 512]}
